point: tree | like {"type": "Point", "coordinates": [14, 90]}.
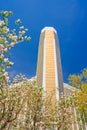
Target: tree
{"type": "Point", "coordinates": [80, 82]}
{"type": "Point", "coordinates": [19, 79]}
{"type": "Point", "coordinates": [10, 101]}
{"type": "Point", "coordinates": [39, 112]}
{"type": "Point", "coordinates": [8, 39]}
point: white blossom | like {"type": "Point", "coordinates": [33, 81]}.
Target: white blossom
{"type": "Point", "coordinates": [7, 79]}
{"type": "Point", "coordinates": [5, 59]}
{"type": "Point", "coordinates": [1, 47]}
{"type": "Point", "coordinates": [5, 74]}
{"type": "Point", "coordinates": [11, 63]}
{"type": "Point", "coordinates": [14, 37]}
{"type": "Point", "coordinates": [22, 27]}
{"type": "Point", "coordinates": [12, 44]}
{"type": "Point", "coordinates": [23, 32]}
{"type": "Point", "coordinates": [1, 23]}
{"type": "Point", "coordinates": [5, 50]}
{"type": "Point", "coordinates": [6, 30]}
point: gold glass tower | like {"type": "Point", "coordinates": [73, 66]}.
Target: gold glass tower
{"type": "Point", "coordinates": [49, 72]}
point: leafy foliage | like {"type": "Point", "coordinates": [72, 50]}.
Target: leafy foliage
{"type": "Point", "coordinates": [80, 82]}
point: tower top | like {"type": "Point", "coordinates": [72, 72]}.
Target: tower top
{"type": "Point", "coordinates": [48, 28]}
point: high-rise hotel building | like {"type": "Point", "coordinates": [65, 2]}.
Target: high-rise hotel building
{"type": "Point", "coordinates": [49, 72]}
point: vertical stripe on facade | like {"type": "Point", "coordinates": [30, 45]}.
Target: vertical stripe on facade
{"type": "Point", "coordinates": [44, 66]}
{"type": "Point", "coordinates": [50, 66]}
{"type": "Point", "coordinates": [40, 60]}
{"type": "Point", "coordinates": [56, 74]}
{"type": "Point", "coordinates": [59, 68]}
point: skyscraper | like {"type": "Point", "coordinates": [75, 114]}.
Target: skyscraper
{"type": "Point", "coordinates": [49, 72]}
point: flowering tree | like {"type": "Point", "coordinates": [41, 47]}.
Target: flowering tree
{"type": "Point", "coordinates": [38, 112]}
{"type": "Point", "coordinates": [19, 78]}
{"type": "Point", "coordinates": [10, 101]}
{"type": "Point", "coordinates": [8, 39]}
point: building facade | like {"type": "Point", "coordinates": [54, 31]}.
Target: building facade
{"type": "Point", "coordinates": [49, 72]}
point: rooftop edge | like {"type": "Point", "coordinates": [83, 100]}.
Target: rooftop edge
{"type": "Point", "coordinates": [48, 28]}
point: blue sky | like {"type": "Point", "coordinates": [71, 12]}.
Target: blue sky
{"type": "Point", "coordinates": [68, 17]}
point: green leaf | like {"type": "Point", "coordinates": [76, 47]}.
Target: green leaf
{"type": "Point", "coordinates": [6, 21]}
{"type": "Point", "coordinates": [6, 13]}
{"type": "Point", "coordinates": [18, 21]}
